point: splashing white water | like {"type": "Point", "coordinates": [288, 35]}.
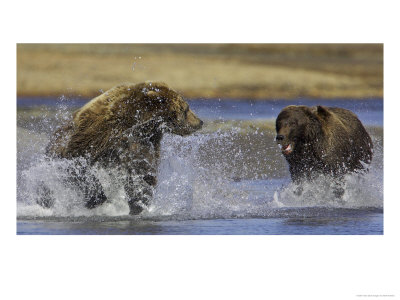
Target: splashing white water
{"type": "Point", "coordinates": [360, 191]}
{"type": "Point", "coordinates": [193, 182]}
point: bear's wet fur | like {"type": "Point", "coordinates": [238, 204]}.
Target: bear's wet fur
{"type": "Point", "coordinates": [322, 140]}
{"type": "Point", "coordinates": [123, 128]}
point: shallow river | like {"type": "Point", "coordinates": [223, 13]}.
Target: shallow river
{"type": "Point", "coordinates": [229, 178]}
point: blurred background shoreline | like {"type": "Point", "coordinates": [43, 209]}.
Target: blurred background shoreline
{"type": "Point", "coordinates": [205, 71]}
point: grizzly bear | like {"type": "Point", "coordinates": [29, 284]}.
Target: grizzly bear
{"type": "Point", "coordinates": [122, 128]}
{"type": "Point", "coordinates": [322, 140]}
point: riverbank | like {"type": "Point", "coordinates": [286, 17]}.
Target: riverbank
{"type": "Point", "coordinates": [251, 71]}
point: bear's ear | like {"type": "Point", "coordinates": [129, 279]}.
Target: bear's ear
{"type": "Point", "coordinates": [152, 94]}
{"type": "Point", "coordinates": [154, 98]}
{"type": "Point", "coordinates": [323, 112]}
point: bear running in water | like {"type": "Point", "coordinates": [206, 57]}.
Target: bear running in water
{"type": "Point", "coordinates": [322, 140]}
{"type": "Point", "coordinates": [122, 128]}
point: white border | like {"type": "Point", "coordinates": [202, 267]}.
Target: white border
{"type": "Point", "coordinates": [198, 267]}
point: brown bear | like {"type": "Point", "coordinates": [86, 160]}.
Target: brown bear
{"type": "Point", "coordinates": [123, 128]}
{"type": "Point", "coordinates": [322, 140]}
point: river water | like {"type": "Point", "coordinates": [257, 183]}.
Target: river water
{"type": "Point", "coordinates": [228, 178]}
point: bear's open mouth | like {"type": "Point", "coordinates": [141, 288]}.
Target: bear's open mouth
{"type": "Point", "coordinates": [287, 149]}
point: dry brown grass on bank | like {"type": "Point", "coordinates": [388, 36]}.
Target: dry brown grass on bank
{"type": "Point", "coordinates": [255, 71]}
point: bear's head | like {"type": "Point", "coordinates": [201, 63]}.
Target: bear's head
{"type": "Point", "coordinates": [299, 128]}
{"type": "Point", "coordinates": [169, 107]}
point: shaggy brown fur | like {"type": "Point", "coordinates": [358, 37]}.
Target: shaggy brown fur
{"type": "Point", "coordinates": [322, 140]}
{"type": "Point", "coordinates": [123, 127]}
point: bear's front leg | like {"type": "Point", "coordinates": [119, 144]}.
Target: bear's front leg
{"type": "Point", "coordinates": [93, 192]}
{"type": "Point", "coordinates": [338, 187]}
{"type": "Point", "coordinates": [45, 195]}
{"type": "Point", "coordinates": [90, 186]}
{"type": "Point", "coordinates": [298, 181]}
{"type": "Point", "coordinates": [139, 191]}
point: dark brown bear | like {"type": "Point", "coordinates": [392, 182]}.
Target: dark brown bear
{"type": "Point", "coordinates": [322, 140]}
{"type": "Point", "coordinates": [123, 128]}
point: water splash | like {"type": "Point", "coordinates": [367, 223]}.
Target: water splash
{"type": "Point", "coordinates": [229, 173]}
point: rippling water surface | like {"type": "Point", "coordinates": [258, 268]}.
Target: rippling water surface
{"type": "Point", "coordinates": [229, 178]}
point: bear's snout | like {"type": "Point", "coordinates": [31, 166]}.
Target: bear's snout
{"type": "Point", "coordinates": [200, 125]}
{"type": "Point", "coordinates": [284, 144]}
{"type": "Point", "coordinates": [193, 121]}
